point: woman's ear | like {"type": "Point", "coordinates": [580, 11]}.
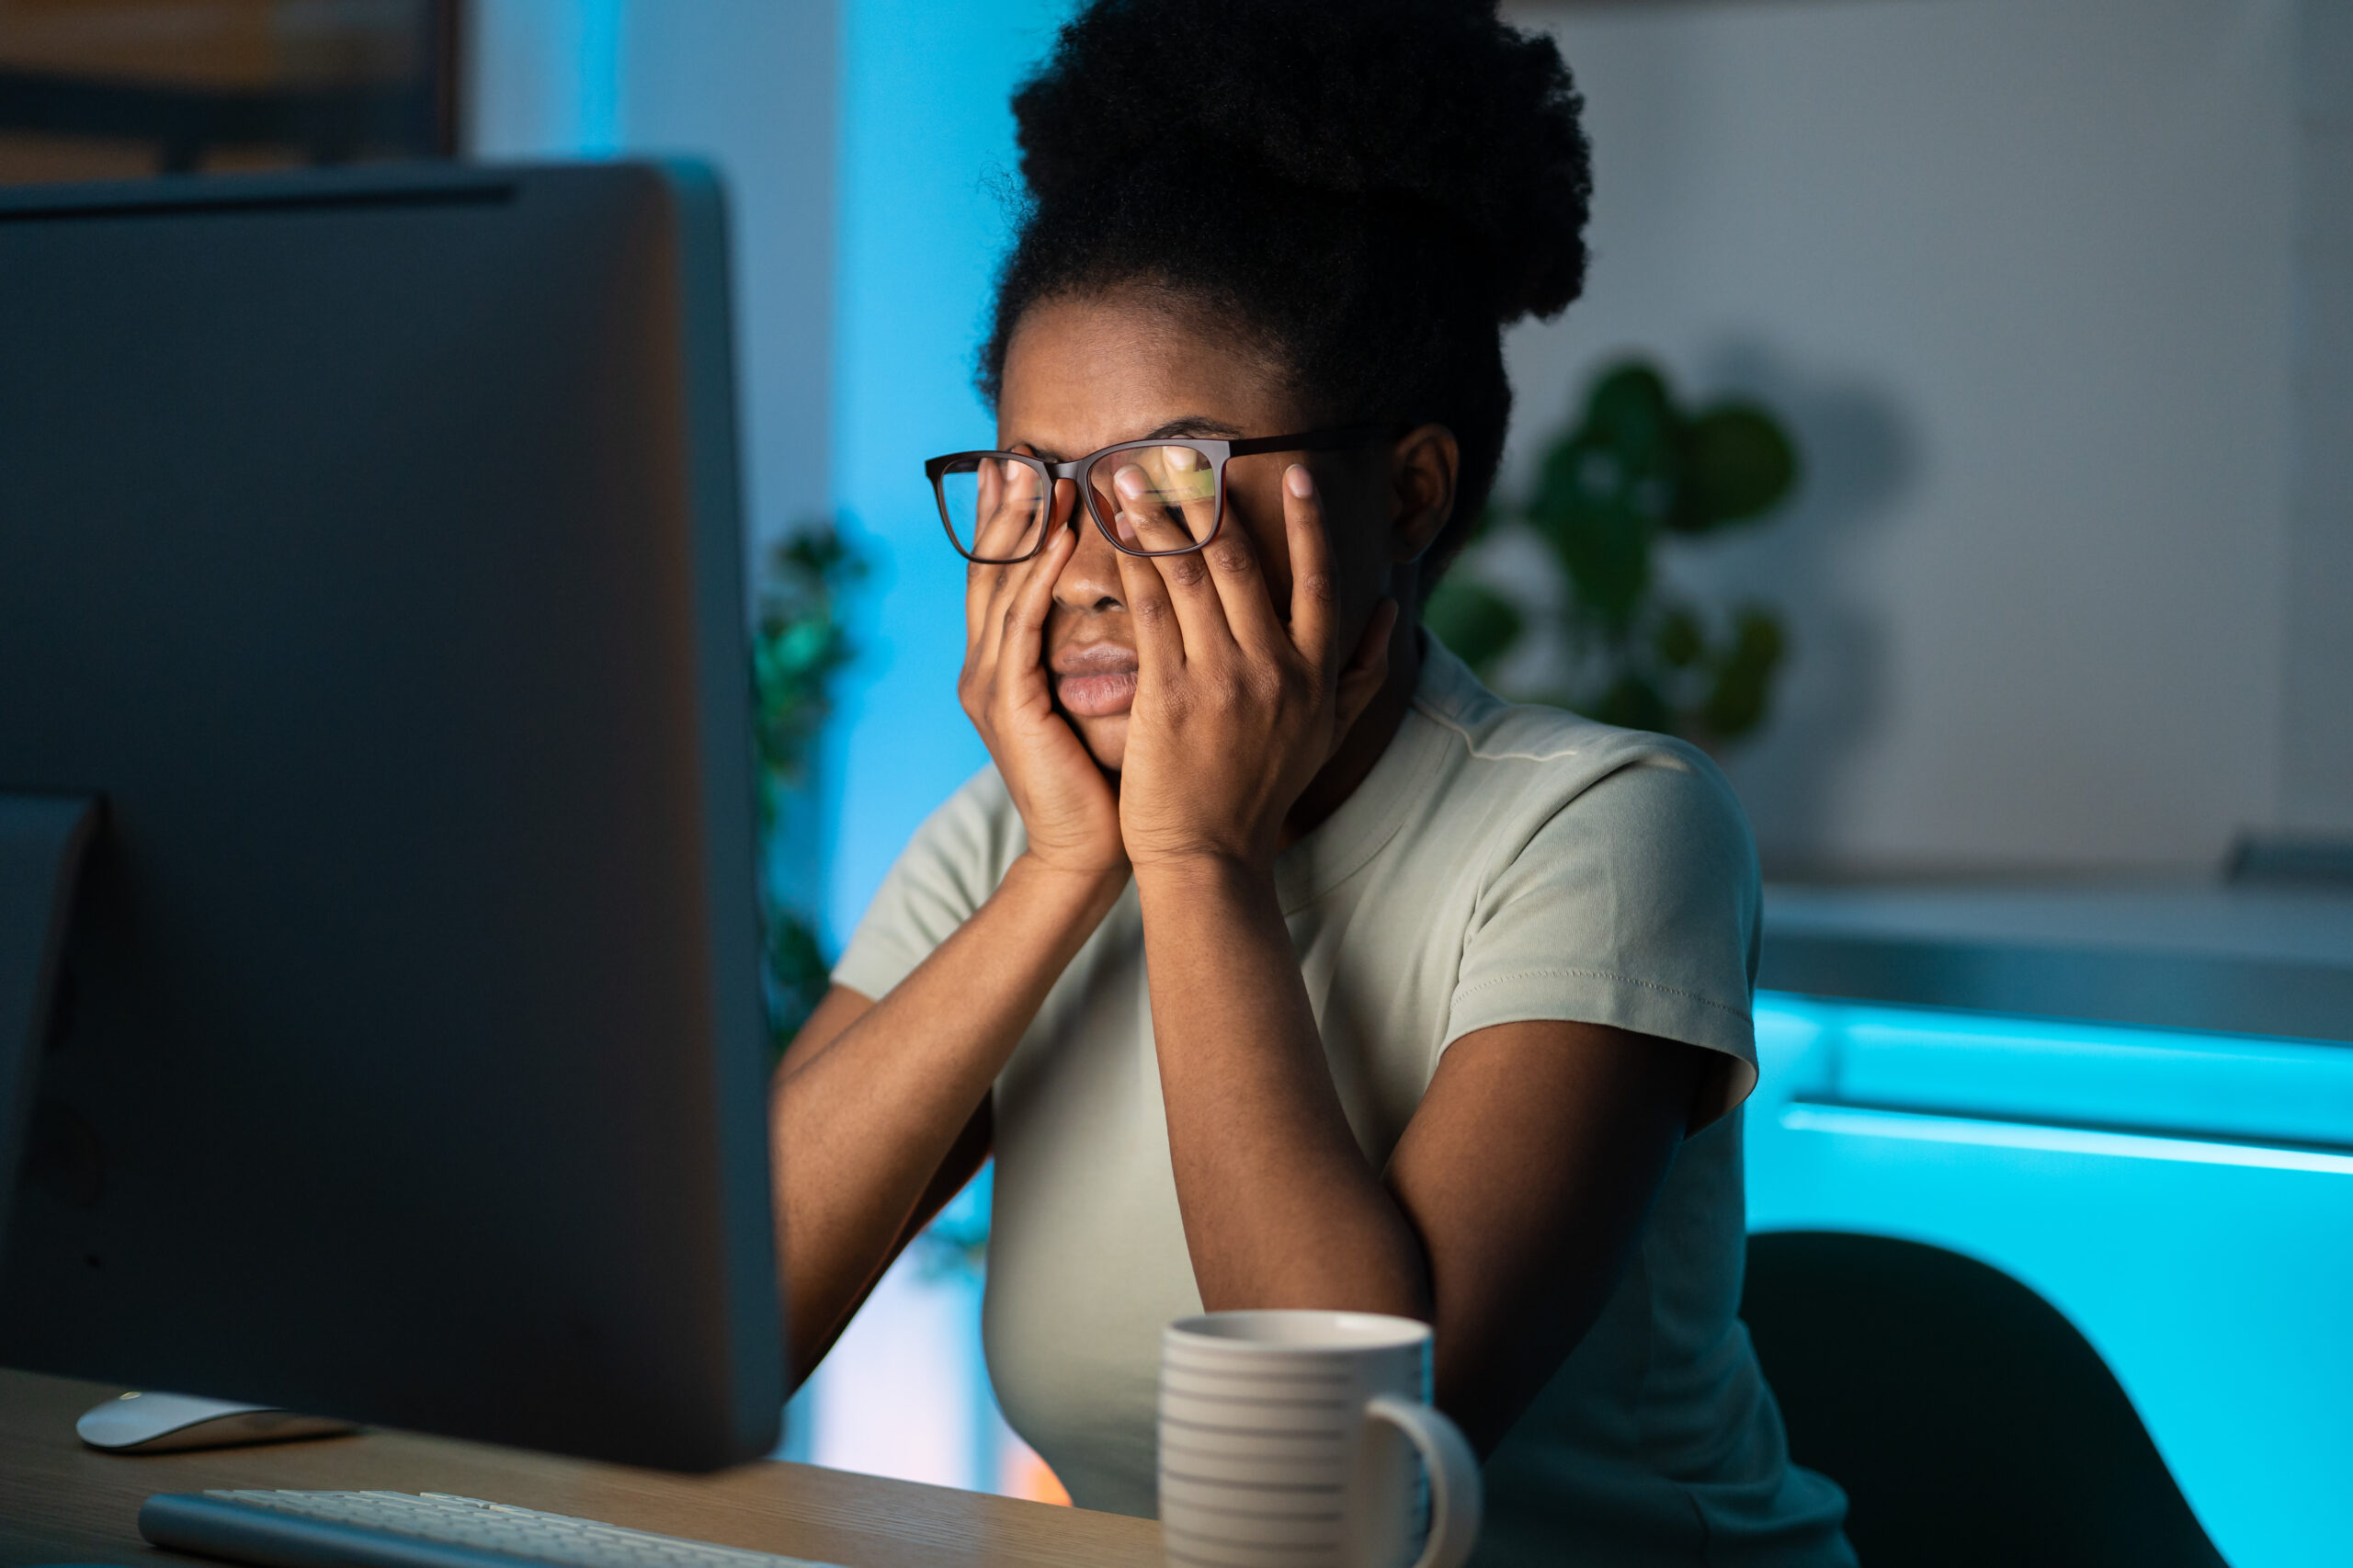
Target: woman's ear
{"type": "Point", "coordinates": [1422, 469]}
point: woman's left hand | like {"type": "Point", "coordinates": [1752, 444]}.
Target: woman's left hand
{"type": "Point", "coordinates": [1234, 712]}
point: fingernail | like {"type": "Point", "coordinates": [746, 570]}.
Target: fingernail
{"type": "Point", "coordinates": [1298, 481]}
{"type": "Point", "coordinates": [1127, 529]}
{"type": "Point", "coordinates": [1131, 482]}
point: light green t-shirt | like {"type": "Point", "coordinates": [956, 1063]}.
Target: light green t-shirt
{"type": "Point", "coordinates": [1499, 864]}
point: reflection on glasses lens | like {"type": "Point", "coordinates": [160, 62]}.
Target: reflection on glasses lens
{"type": "Point", "coordinates": [996, 507]}
{"type": "Point", "coordinates": [1155, 499]}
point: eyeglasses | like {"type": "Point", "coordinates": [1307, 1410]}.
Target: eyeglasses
{"type": "Point", "coordinates": [996, 505]}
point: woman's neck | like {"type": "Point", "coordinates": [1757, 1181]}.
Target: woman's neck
{"type": "Point", "coordinates": [1360, 749]}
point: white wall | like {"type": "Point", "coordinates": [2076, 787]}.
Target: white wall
{"type": "Point", "coordinates": [747, 84]}
{"type": "Point", "coordinates": [2318, 783]}
{"type": "Point", "coordinates": [2020, 273]}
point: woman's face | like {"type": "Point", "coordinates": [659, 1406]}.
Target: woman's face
{"type": "Point", "coordinates": [1083, 374]}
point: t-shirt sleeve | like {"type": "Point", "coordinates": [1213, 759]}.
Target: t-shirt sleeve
{"type": "Point", "coordinates": [1636, 904]}
{"type": "Point", "coordinates": [947, 871]}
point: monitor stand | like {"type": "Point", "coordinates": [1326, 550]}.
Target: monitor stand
{"type": "Point", "coordinates": [41, 841]}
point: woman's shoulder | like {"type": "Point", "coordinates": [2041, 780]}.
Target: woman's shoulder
{"type": "Point", "coordinates": [977, 829]}
{"type": "Point", "coordinates": [1527, 762]}
{"type": "Point", "coordinates": [947, 871]}
{"type": "Point", "coordinates": [1616, 880]}
{"type": "Point", "coordinates": [955, 860]}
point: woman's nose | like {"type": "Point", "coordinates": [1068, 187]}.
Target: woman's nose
{"type": "Point", "coordinates": [1090, 578]}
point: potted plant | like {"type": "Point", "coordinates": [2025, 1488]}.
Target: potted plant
{"type": "Point", "coordinates": [1636, 468]}
{"type": "Point", "coordinates": [798, 643]}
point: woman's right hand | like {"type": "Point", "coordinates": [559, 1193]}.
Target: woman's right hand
{"type": "Point", "coordinates": [1066, 805]}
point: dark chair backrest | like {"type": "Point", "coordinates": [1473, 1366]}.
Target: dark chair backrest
{"type": "Point", "coordinates": [1969, 1422]}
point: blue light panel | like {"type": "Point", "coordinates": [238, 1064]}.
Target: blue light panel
{"type": "Point", "coordinates": [2185, 1199]}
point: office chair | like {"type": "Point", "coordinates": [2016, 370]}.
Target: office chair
{"type": "Point", "coordinates": [1968, 1421]}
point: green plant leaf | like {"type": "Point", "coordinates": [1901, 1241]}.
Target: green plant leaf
{"type": "Point", "coordinates": [1635, 463]}
{"type": "Point", "coordinates": [1680, 641]}
{"type": "Point", "coordinates": [1632, 703]}
{"type": "Point", "coordinates": [1622, 453]}
{"type": "Point", "coordinates": [1603, 490]}
{"type": "Point", "coordinates": [1473, 620]}
{"type": "Point", "coordinates": [1738, 463]}
{"type": "Point", "coordinates": [1607, 552]}
{"type": "Point", "coordinates": [798, 644]}
{"type": "Point", "coordinates": [1632, 413]}
{"type": "Point", "coordinates": [1560, 482]}
{"type": "Point", "coordinates": [1742, 694]}
{"type": "Point", "coordinates": [798, 975]}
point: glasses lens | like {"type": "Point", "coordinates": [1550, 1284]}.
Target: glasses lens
{"type": "Point", "coordinates": [1157, 500]}
{"type": "Point", "coordinates": [996, 507]}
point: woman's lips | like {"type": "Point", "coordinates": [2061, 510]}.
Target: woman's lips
{"type": "Point", "coordinates": [1096, 695]}
{"type": "Point", "coordinates": [1094, 681]}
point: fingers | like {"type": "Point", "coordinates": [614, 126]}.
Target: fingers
{"type": "Point", "coordinates": [1154, 504]}
{"type": "Point", "coordinates": [980, 585]}
{"type": "Point", "coordinates": [987, 591]}
{"type": "Point", "coordinates": [980, 581]}
{"type": "Point", "coordinates": [1160, 638]}
{"type": "Point", "coordinates": [1014, 599]}
{"type": "Point", "coordinates": [1032, 600]}
{"type": "Point", "coordinates": [1191, 481]}
{"type": "Point", "coordinates": [1012, 508]}
{"type": "Point", "coordinates": [1240, 579]}
{"type": "Point", "coordinates": [1145, 521]}
{"type": "Point", "coordinates": [1314, 588]}
{"type": "Point", "coordinates": [1171, 491]}
{"type": "Point", "coordinates": [995, 531]}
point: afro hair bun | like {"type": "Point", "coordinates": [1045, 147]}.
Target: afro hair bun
{"type": "Point", "coordinates": [1420, 108]}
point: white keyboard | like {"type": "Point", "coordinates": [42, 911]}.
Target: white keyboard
{"type": "Point", "coordinates": [403, 1530]}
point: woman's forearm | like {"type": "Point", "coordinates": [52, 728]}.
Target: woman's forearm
{"type": "Point", "coordinates": [862, 1119]}
{"type": "Point", "coordinates": [1280, 1206]}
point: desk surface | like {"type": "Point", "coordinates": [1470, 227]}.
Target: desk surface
{"type": "Point", "coordinates": [61, 1502]}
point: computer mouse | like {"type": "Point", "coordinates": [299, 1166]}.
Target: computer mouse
{"type": "Point", "coordinates": [160, 1422]}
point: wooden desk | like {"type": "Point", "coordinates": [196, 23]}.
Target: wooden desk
{"type": "Point", "coordinates": [61, 1502]}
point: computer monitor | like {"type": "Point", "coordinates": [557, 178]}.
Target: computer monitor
{"type": "Point", "coordinates": [371, 589]}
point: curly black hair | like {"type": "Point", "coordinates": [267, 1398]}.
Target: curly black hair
{"type": "Point", "coordinates": [1369, 189]}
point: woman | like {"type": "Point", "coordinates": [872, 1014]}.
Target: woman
{"type": "Point", "coordinates": [1278, 963]}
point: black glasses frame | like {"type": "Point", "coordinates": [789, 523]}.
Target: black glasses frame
{"type": "Point", "coordinates": [1216, 452]}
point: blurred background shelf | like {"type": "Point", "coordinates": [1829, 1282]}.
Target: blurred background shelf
{"type": "Point", "coordinates": [2233, 959]}
{"type": "Point", "coordinates": [103, 89]}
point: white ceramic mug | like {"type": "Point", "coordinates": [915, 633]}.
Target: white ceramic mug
{"type": "Point", "coordinates": [1288, 1439]}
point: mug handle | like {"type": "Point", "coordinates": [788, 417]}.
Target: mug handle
{"type": "Point", "coordinates": [1455, 1496]}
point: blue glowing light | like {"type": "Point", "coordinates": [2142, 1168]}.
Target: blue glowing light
{"type": "Point", "coordinates": [1866, 1123]}
{"type": "Point", "coordinates": [2184, 1200]}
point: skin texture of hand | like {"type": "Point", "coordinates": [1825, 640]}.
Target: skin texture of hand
{"type": "Point", "coordinates": [1237, 708]}
{"type": "Point", "coordinates": [1066, 804]}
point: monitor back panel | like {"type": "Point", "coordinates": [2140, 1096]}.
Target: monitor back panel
{"type": "Point", "coordinates": [368, 541]}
